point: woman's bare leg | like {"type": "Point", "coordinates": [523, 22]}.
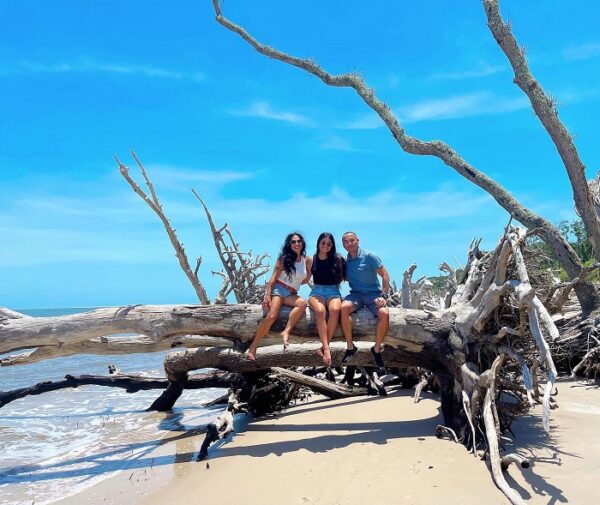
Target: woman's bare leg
{"type": "Point", "coordinates": [334, 307]}
{"type": "Point", "coordinates": [318, 307]}
{"type": "Point", "coordinates": [265, 325]}
{"type": "Point", "coordinates": [299, 308]}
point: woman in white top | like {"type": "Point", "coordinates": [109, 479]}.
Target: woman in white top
{"type": "Point", "coordinates": [291, 271]}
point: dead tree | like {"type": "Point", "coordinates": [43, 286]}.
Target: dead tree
{"type": "Point", "coordinates": [418, 294]}
{"type": "Point", "coordinates": [154, 203]}
{"type": "Point", "coordinates": [589, 298]}
{"type": "Point", "coordinates": [241, 270]}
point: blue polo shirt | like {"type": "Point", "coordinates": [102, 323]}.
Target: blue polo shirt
{"type": "Point", "coordinates": [361, 272]}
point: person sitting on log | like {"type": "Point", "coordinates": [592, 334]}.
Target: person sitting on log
{"type": "Point", "coordinates": [292, 269]}
{"type": "Point", "coordinates": [362, 269]}
{"type": "Point", "coordinates": [327, 272]}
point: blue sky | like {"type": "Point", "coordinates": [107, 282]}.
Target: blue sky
{"type": "Point", "coordinates": [270, 148]}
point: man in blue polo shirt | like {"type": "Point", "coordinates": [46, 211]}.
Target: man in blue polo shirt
{"type": "Point", "coordinates": [362, 271]}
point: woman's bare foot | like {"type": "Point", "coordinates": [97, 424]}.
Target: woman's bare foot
{"type": "Point", "coordinates": [326, 355]}
{"type": "Point", "coordinates": [286, 339]}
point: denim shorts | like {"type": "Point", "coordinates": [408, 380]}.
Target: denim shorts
{"type": "Point", "coordinates": [360, 300]}
{"type": "Point", "coordinates": [280, 291]}
{"type": "Point", "coordinates": [327, 292]}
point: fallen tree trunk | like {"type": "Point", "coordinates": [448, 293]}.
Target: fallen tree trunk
{"type": "Point", "coordinates": [113, 345]}
{"type": "Point", "coordinates": [166, 325]}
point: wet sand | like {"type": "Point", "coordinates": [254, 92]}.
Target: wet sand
{"type": "Point", "coordinates": [360, 450]}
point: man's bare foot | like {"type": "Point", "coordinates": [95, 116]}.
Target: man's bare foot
{"type": "Point", "coordinates": [286, 340]}
{"type": "Point", "coordinates": [251, 355]}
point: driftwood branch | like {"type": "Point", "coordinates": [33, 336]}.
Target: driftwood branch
{"type": "Point", "coordinates": [156, 206]}
{"type": "Point", "coordinates": [241, 270]}
{"type": "Point", "coordinates": [132, 383]}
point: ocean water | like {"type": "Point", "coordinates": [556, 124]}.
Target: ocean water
{"type": "Point", "coordinates": [58, 443]}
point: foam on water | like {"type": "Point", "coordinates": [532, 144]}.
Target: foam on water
{"type": "Point", "coordinates": [59, 443]}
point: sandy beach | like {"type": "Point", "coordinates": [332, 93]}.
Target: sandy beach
{"type": "Point", "coordinates": [362, 450]}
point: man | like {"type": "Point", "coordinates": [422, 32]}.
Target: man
{"type": "Point", "coordinates": [362, 271]}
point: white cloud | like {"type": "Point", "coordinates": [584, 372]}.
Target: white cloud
{"type": "Point", "coordinates": [582, 51]}
{"type": "Point", "coordinates": [474, 104]}
{"type": "Point", "coordinates": [369, 121]}
{"type": "Point", "coordinates": [86, 65]}
{"type": "Point", "coordinates": [338, 207]}
{"type": "Point", "coordinates": [481, 103]}
{"type": "Point", "coordinates": [482, 70]}
{"type": "Point", "coordinates": [124, 230]}
{"type": "Point", "coordinates": [568, 97]}
{"type": "Point", "coordinates": [171, 176]}
{"type": "Point", "coordinates": [264, 110]}
{"type": "Point", "coordinates": [337, 143]}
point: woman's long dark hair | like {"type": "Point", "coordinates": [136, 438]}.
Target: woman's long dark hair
{"type": "Point", "coordinates": [334, 261]}
{"type": "Point", "coordinates": [288, 257]}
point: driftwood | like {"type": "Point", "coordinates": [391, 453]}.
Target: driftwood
{"type": "Point", "coordinates": [241, 270]}
{"type": "Point", "coordinates": [132, 383]}
{"type": "Point", "coordinates": [154, 203]}
{"type": "Point", "coordinates": [222, 426]}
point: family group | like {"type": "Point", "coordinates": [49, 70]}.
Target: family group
{"type": "Point", "coordinates": [360, 268]}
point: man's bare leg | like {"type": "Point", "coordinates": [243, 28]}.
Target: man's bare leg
{"type": "Point", "coordinates": [383, 323]}
{"type": "Point", "coordinates": [346, 310]}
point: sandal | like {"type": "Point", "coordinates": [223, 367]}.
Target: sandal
{"type": "Point", "coordinates": [349, 353]}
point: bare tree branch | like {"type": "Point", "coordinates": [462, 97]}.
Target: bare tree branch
{"type": "Point", "coordinates": [155, 205]}
{"type": "Point", "coordinates": [241, 269]}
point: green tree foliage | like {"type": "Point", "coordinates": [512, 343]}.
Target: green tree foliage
{"type": "Point", "coordinates": [578, 238]}
{"type": "Point", "coordinates": [575, 233]}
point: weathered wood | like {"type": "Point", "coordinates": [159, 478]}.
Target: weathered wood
{"type": "Point", "coordinates": [132, 383]}
{"type": "Point", "coordinates": [180, 362]}
{"type": "Point", "coordinates": [154, 203]}
{"type": "Point", "coordinates": [492, 431]}
{"type": "Point", "coordinates": [222, 426]}
{"type": "Point", "coordinates": [326, 388]}
{"type": "Point", "coordinates": [114, 345]}
{"type": "Point", "coordinates": [409, 329]}
{"type": "Point", "coordinates": [6, 313]}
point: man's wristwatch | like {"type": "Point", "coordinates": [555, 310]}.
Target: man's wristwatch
{"type": "Point", "coordinates": [385, 296]}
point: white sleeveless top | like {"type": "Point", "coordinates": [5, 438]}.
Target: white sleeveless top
{"type": "Point", "coordinates": [297, 278]}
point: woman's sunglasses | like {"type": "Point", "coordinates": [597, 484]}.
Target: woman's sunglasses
{"type": "Point", "coordinates": [295, 241]}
